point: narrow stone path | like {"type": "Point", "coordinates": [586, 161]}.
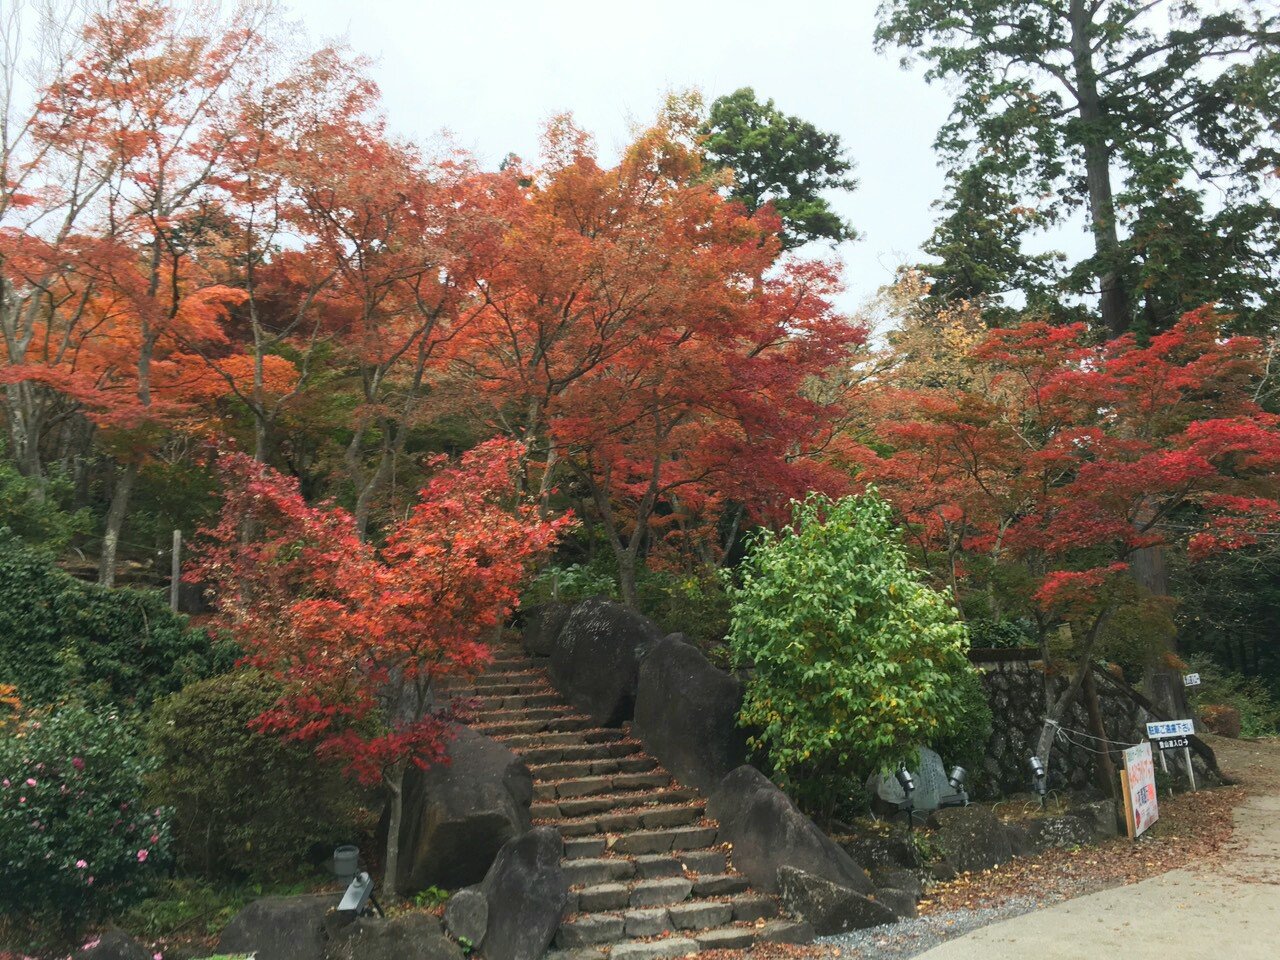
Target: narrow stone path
{"type": "Point", "coordinates": [648, 877]}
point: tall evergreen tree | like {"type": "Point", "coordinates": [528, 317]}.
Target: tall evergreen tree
{"type": "Point", "coordinates": [780, 159]}
{"type": "Point", "coordinates": [1158, 120]}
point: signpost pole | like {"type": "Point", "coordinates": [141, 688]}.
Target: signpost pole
{"type": "Point", "coordinates": [1191, 773]}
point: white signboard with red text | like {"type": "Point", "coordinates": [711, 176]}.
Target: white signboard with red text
{"type": "Point", "coordinates": [1139, 779]}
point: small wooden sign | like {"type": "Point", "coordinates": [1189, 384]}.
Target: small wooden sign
{"type": "Point", "coordinates": [1139, 783]}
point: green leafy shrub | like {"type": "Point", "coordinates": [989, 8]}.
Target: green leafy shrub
{"type": "Point", "coordinates": [63, 638]}
{"type": "Point", "coordinates": [573, 583]}
{"type": "Point", "coordinates": [77, 837]}
{"type": "Point", "coordinates": [696, 606]}
{"type": "Point", "coordinates": [1259, 712]}
{"type": "Point", "coordinates": [966, 743]}
{"type": "Point", "coordinates": [245, 804]}
{"type": "Point", "coordinates": [987, 633]}
{"type": "Point", "coordinates": [856, 661]}
{"type": "Point", "coordinates": [34, 512]}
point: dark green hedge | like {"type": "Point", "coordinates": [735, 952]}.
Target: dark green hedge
{"type": "Point", "coordinates": [60, 637]}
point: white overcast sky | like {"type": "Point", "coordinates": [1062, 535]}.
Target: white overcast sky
{"type": "Point", "coordinates": [492, 71]}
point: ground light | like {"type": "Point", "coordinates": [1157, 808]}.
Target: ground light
{"type": "Point", "coordinates": [1037, 778]}
{"type": "Point", "coordinates": [908, 787]}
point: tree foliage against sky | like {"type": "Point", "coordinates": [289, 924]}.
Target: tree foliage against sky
{"type": "Point", "coordinates": [1156, 122]}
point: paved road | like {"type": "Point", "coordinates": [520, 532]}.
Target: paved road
{"type": "Point", "coordinates": [1228, 912]}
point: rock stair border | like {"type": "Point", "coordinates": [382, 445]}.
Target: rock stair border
{"type": "Point", "coordinates": [648, 876]}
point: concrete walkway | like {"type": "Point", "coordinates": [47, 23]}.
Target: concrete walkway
{"type": "Point", "coordinates": [1227, 911]}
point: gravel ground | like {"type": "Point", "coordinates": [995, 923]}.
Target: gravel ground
{"type": "Point", "coordinates": [911, 937]}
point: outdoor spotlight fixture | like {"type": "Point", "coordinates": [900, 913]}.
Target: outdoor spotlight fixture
{"type": "Point", "coordinates": [908, 786]}
{"type": "Point", "coordinates": [358, 899]}
{"type": "Point", "coordinates": [957, 777]}
{"type": "Point", "coordinates": [1037, 777]}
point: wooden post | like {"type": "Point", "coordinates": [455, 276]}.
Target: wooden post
{"type": "Point", "coordinates": [175, 571]}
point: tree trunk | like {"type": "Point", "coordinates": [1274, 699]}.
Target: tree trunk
{"type": "Point", "coordinates": [1097, 159]}
{"type": "Point", "coordinates": [115, 523]}
{"type": "Point", "coordinates": [627, 575]}
{"type": "Point", "coordinates": [1106, 766]}
{"type": "Point", "coordinates": [395, 814]}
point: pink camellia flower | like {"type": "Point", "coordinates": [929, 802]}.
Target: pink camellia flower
{"type": "Point", "coordinates": [155, 838]}
{"type": "Point", "coordinates": [157, 956]}
{"type": "Point", "coordinates": [142, 856]}
{"type": "Point", "coordinates": [31, 781]}
{"type": "Point", "coordinates": [6, 782]}
{"type": "Point", "coordinates": [22, 799]}
{"type": "Point", "coordinates": [89, 880]}
{"type": "Point", "coordinates": [81, 864]}
{"type": "Point", "coordinates": [77, 763]}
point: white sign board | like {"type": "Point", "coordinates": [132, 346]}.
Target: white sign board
{"type": "Point", "coordinates": [1191, 680]}
{"type": "Point", "coordinates": [1171, 728]}
{"type": "Point", "coordinates": [1141, 810]}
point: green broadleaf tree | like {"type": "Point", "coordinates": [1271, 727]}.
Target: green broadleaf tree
{"type": "Point", "coordinates": [780, 159]}
{"type": "Point", "coordinates": [856, 660]}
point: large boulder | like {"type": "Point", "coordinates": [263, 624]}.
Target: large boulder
{"type": "Point", "coordinates": [829, 907]}
{"type": "Point", "coordinates": [458, 815]}
{"type": "Point", "coordinates": [687, 714]}
{"type": "Point", "coordinates": [466, 915]}
{"type": "Point", "coordinates": [541, 624]}
{"type": "Point", "coordinates": [595, 660]}
{"type": "Point", "coordinates": [527, 891]}
{"type": "Point", "coordinates": [768, 831]}
{"type": "Point", "coordinates": [280, 928]}
{"type": "Point", "coordinates": [410, 936]}
{"type": "Point", "coordinates": [112, 944]}
{"type": "Point", "coordinates": [973, 838]}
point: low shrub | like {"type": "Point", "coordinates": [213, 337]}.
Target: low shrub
{"type": "Point", "coordinates": [77, 837]}
{"type": "Point", "coordinates": [1259, 714]}
{"type": "Point", "coordinates": [62, 638]}
{"type": "Point", "coordinates": [855, 660]}
{"type": "Point", "coordinates": [966, 744]}
{"type": "Point", "coordinates": [245, 804]}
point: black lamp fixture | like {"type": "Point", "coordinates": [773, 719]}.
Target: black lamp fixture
{"type": "Point", "coordinates": [908, 785]}
{"type": "Point", "coordinates": [1037, 777]}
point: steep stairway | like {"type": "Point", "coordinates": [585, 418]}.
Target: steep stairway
{"type": "Point", "coordinates": [647, 875]}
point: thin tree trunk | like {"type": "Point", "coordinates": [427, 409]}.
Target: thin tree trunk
{"type": "Point", "coordinates": [116, 514]}
{"type": "Point", "coordinates": [1097, 159]}
{"type": "Point", "coordinates": [1106, 767]}
{"type": "Point", "coordinates": [395, 815]}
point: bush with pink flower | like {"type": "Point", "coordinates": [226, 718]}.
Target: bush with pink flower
{"type": "Point", "coordinates": [76, 838]}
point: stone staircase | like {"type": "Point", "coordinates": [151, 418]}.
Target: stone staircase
{"type": "Point", "coordinates": [647, 876]}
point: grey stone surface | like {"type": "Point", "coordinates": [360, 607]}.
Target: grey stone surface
{"type": "Point", "coordinates": [972, 838]}
{"type": "Point", "coordinates": [829, 907]}
{"type": "Point", "coordinates": [458, 815]}
{"type": "Point", "coordinates": [603, 896]}
{"type": "Point", "coordinates": [595, 660]}
{"type": "Point", "coordinates": [541, 625]}
{"type": "Point", "coordinates": [768, 831]}
{"type": "Point", "coordinates": [649, 922]}
{"type": "Point", "coordinates": [903, 903]}
{"type": "Point", "coordinates": [651, 893]}
{"type": "Point", "coordinates": [412, 936]}
{"type": "Point", "coordinates": [466, 915]}
{"type": "Point", "coordinates": [686, 714]}
{"type": "Point", "coordinates": [649, 950]}
{"type": "Point", "coordinates": [279, 928]}
{"type": "Point", "coordinates": [588, 930]}
{"type": "Point", "coordinates": [113, 944]}
{"type": "Point", "coordinates": [527, 891]}
{"type": "Point", "coordinates": [931, 790]}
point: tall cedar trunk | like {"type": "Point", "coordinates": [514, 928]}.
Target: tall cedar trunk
{"type": "Point", "coordinates": [395, 814]}
{"type": "Point", "coordinates": [1106, 766]}
{"type": "Point", "coordinates": [1161, 682]}
{"type": "Point", "coordinates": [116, 513]}
{"type": "Point", "coordinates": [1097, 158]}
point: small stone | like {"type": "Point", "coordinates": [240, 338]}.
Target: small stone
{"type": "Point", "coordinates": [466, 915]}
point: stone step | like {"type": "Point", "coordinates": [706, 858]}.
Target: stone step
{"type": "Point", "coordinates": [707, 867]}
{"type": "Point", "coordinates": [570, 769]}
{"type": "Point", "coordinates": [663, 841]}
{"type": "Point", "coordinates": [487, 704]}
{"type": "Point", "coordinates": [673, 917]}
{"type": "Point", "coordinates": [523, 714]}
{"type": "Point", "coordinates": [564, 738]}
{"type": "Point", "coordinates": [641, 818]}
{"type": "Point", "coordinates": [560, 723]}
{"type": "Point", "coordinates": [775, 931]}
{"type": "Point", "coordinates": [608, 802]}
{"type": "Point", "coordinates": [506, 689]}
{"type": "Point", "coordinates": [578, 751]}
{"type": "Point", "coordinates": [590, 786]}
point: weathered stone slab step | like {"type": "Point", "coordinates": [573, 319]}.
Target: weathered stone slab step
{"type": "Point", "coordinates": [592, 871]}
{"type": "Point", "coordinates": [486, 705]}
{"type": "Point", "coordinates": [663, 841]}
{"type": "Point", "coordinates": [777, 931]}
{"type": "Point", "coordinates": [644, 818]}
{"type": "Point", "coordinates": [578, 751]}
{"type": "Point", "coordinates": [562, 738]}
{"type": "Point", "coordinates": [526, 714]}
{"type": "Point", "coordinates": [590, 786]}
{"type": "Point", "coordinates": [571, 769]}
{"type": "Point", "coordinates": [559, 723]}
{"type": "Point", "coordinates": [522, 689]}
{"type": "Point", "coordinates": [720, 885]}
{"type": "Point", "coordinates": [609, 802]}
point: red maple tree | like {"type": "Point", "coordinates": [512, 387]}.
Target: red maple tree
{"type": "Point", "coordinates": [1046, 480]}
{"type": "Point", "coordinates": [359, 634]}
